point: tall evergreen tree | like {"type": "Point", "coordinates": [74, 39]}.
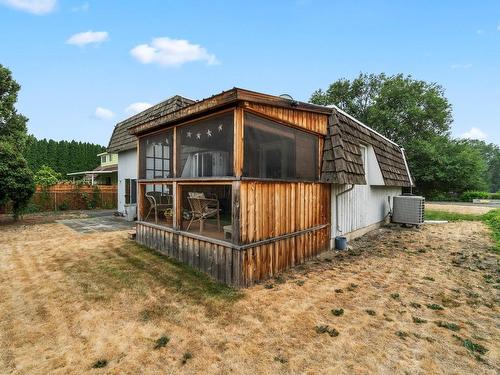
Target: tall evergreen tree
{"type": "Point", "coordinates": [62, 156]}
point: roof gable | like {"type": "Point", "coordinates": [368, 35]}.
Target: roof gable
{"type": "Point", "coordinates": [122, 140]}
{"type": "Point", "coordinates": [342, 161]}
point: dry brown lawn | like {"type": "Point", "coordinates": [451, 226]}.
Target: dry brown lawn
{"type": "Point", "coordinates": [458, 208]}
{"type": "Point", "coordinates": [68, 300]}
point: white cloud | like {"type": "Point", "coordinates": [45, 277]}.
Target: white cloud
{"type": "Point", "coordinates": [134, 108]}
{"type": "Point", "coordinates": [172, 52]}
{"type": "Point", "coordinates": [81, 39]}
{"type": "Point", "coordinates": [32, 6]}
{"type": "Point", "coordinates": [103, 113]}
{"type": "Point", "coordinates": [461, 66]}
{"type": "Point", "coordinates": [475, 133]}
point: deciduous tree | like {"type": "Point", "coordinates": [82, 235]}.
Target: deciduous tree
{"type": "Point", "coordinates": [16, 179]}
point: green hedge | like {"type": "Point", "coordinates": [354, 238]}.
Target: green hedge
{"type": "Point", "coordinates": [468, 196]}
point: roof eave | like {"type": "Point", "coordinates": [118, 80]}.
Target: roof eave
{"type": "Point", "coordinates": [225, 99]}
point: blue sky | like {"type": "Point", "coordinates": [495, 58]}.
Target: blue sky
{"type": "Point", "coordinates": [85, 65]}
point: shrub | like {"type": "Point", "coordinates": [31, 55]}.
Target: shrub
{"type": "Point", "coordinates": [468, 196]}
{"type": "Point", "coordinates": [46, 176]}
{"type": "Point", "coordinates": [495, 195]}
{"type": "Point", "coordinates": [63, 206]}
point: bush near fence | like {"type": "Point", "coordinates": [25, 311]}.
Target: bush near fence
{"type": "Point", "coordinates": [468, 196]}
{"type": "Point", "coordinates": [70, 196]}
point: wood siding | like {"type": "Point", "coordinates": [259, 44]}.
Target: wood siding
{"type": "Point", "coordinates": [272, 209]}
{"type": "Point", "coordinates": [219, 261]}
{"type": "Point", "coordinates": [262, 262]}
{"type": "Point", "coordinates": [311, 121]}
{"type": "Point", "coordinates": [240, 267]}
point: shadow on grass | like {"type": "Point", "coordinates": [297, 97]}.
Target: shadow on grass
{"type": "Point", "coordinates": [139, 269]}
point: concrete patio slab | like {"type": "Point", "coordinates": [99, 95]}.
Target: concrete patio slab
{"type": "Point", "coordinates": [98, 224]}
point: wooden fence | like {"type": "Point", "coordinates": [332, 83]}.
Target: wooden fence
{"type": "Point", "coordinates": [68, 196]}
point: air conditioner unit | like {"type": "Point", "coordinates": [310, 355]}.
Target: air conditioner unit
{"type": "Point", "coordinates": [408, 209]}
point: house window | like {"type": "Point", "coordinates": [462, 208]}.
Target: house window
{"type": "Point", "coordinates": [156, 155]}
{"type": "Point", "coordinates": [158, 204]}
{"type": "Point", "coordinates": [206, 210]}
{"type": "Point", "coordinates": [273, 150]}
{"type": "Point", "coordinates": [205, 148]}
{"type": "Point", "coordinates": [103, 159]}
{"type": "Point", "coordinates": [130, 191]}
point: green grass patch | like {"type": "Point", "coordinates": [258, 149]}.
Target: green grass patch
{"type": "Point", "coordinates": [434, 306]}
{"type": "Point", "coordinates": [186, 357]}
{"type": "Point", "coordinates": [338, 312]}
{"type": "Point", "coordinates": [491, 219]}
{"type": "Point", "coordinates": [138, 269]}
{"type": "Point", "coordinates": [162, 342]}
{"type": "Point", "coordinates": [474, 347]}
{"type": "Point", "coordinates": [450, 216]}
{"type": "Point", "coordinates": [100, 363]}
{"type": "Point", "coordinates": [401, 334]}
{"type": "Point", "coordinates": [451, 326]}
{"type": "Point", "coordinates": [326, 329]}
{"type": "Point", "coordinates": [418, 320]}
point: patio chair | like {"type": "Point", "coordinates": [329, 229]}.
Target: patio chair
{"type": "Point", "coordinates": [158, 201]}
{"type": "Point", "coordinates": [203, 208]}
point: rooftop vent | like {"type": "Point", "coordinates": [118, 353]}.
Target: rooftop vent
{"type": "Point", "coordinates": [408, 209]}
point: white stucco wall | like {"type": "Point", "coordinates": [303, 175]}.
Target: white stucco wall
{"type": "Point", "coordinates": [127, 168]}
{"type": "Point", "coordinates": [361, 207]}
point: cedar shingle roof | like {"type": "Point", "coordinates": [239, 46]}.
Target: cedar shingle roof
{"type": "Point", "coordinates": [342, 161]}
{"type": "Point", "coordinates": [122, 140]}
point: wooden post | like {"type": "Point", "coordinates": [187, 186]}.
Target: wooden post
{"type": "Point", "coordinates": [174, 153]}
{"type": "Point", "coordinates": [174, 206]}
{"type": "Point", "coordinates": [178, 206]}
{"type": "Point", "coordinates": [238, 142]}
{"type": "Point", "coordinates": [235, 213]}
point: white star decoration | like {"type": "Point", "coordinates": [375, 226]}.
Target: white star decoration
{"type": "Point", "coordinates": [188, 134]}
{"type": "Point", "coordinates": [220, 127]}
{"type": "Point", "coordinates": [209, 132]}
{"type": "Point", "coordinates": [198, 135]}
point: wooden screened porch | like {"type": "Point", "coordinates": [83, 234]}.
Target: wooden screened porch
{"type": "Point", "coordinates": [230, 185]}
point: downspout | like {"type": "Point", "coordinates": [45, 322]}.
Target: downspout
{"type": "Point", "coordinates": [339, 230]}
{"type": "Point", "coordinates": [407, 169]}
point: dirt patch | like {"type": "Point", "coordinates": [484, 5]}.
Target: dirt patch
{"type": "Point", "coordinates": [457, 208]}
{"type": "Point", "coordinates": [98, 302]}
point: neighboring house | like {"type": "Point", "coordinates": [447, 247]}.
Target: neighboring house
{"type": "Point", "coordinates": [125, 145]}
{"type": "Point", "coordinates": [104, 174]}
{"type": "Point", "coordinates": [244, 185]}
